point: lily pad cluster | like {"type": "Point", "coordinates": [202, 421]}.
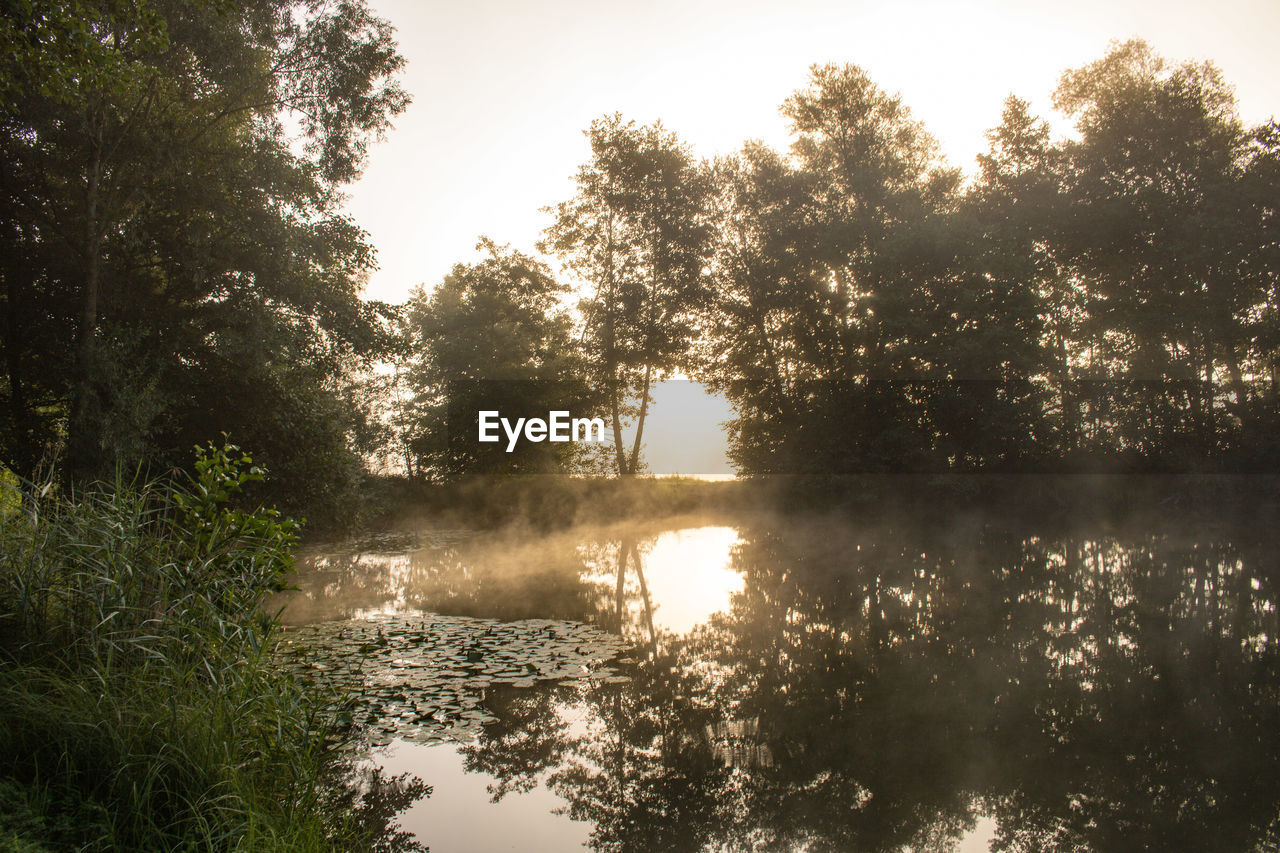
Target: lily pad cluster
{"type": "Point", "coordinates": [424, 677]}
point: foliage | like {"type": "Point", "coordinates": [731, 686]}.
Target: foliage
{"type": "Point", "coordinates": [492, 336]}
{"type": "Point", "coordinates": [638, 233]}
{"type": "Point", "coordinates": [140, 706]}
{"type": "Point", "coordinates": [206, 521]}
{"type": "Point", "coordinates": [174, 262]}
{"type": "Point", "coordinates": [1101, 303]}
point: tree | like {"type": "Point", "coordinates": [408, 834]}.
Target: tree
{"type": "Point", "coordinates": [1107, 302]}
{"type": "Point", "coordinates": [637, 232]}
{"type": "Point", "coordinates": [1165, 241]}
{"type": "Point", "coordinates": [175, 261]}
{"type": "Point", "coordinates": [836, 265]}
{"type": "Point", "coordinates": [765, 339]}
{"type": "Point", "coordinates": [491, 336]}
{"type": "Point", "coordinates": [1015, 309]}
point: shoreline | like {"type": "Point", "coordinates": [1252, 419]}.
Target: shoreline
{"type": "Point", "coordinates": [556, 502]}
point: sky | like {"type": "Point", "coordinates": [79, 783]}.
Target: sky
{"type": "Point", "coordinates": [503, 90]}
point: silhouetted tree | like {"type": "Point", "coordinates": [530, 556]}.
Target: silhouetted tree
{"type": "Point", "coordinates": [1108, 302]}
{"type": "Point", "coordinates": [637, 232]}
{"type": "Point", "coordinates": [1161, 236]}
{"type": "Point", "coordinates": [492, 336]}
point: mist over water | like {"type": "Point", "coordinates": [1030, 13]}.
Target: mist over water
{"type": "Point", "coordinates": [839, 683]}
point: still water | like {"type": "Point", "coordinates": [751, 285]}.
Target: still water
{"type": "Point", "coordinates": [815, 684]}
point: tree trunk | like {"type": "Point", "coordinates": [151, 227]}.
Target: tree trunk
{"type": "Point", "coordinates": [24, 456]}
{"type": "Point", "coordinates": [619, 454]}
{"type": "Point", "coordinates": [610, 350]}
{"type": "Point", "coordinates": [644, 409]}
{"type": "Point", "coordinates": [82, 458]}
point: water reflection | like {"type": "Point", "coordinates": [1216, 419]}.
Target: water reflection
{"type": "Point", "coordinates": [593, 574]}
{"type": "Point", "coordinates": [889, 684]}
{"type": "Point", "coordinates": [670, 583]}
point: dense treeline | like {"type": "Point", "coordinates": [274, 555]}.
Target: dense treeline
{"type": "Point", "coordinates": [1105, 302]}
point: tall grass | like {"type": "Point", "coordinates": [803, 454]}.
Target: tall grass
{"type": "Point", "coordinates": [140, 708]}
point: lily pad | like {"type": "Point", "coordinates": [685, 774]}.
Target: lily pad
{"type": "Point", "coordinates": [423, 677]}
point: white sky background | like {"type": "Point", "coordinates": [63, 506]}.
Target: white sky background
{"type": "Point", "coordinates": [503, 90]}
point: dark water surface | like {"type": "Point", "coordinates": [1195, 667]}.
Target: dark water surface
{"type": "Point", "coordinates": [811, 684]}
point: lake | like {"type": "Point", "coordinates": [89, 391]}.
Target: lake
{"type": "Point", "coordinates": [801, 683]}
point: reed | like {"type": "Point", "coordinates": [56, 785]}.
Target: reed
{"type": "Point", "coordinates": [140, 705]}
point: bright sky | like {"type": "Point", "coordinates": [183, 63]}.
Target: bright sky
{"type": "Point", "coordinates": [504, 88]}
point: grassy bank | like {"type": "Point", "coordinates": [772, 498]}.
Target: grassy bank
{"type": "Point", "coordinates": [140, 708]}
{"type": "Point", "coordinates": [548, 502]}
{"type": "Point", "coordinates": [552, 503]}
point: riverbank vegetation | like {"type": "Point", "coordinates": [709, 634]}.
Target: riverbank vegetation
{"type": "Point", "coordinates": [176, 265]}
{"type": "Point", "coordinates": [140, 705]}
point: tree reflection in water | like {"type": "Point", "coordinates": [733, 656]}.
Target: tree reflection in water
{"type": "Point", "coordinates": [878, 686]}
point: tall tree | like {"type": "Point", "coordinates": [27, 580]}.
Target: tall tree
{"type": "Point", "coordinates": [765, 337]}
{"type": "Point", "coordinates": [637, 232]}
{"type": "Point", "coordinates": [176, 260]}
{"type": "Point", "coordinates": [1157, 238]}
{"type": "Point", "coordinates": [1018, 310]}
{"type": "Point", "coordinates": [837, 262]}
{"type": "Point", "coordinates": [879, 178]}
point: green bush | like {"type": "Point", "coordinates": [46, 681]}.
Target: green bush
{"type": "Point", "coordinates": [140, 706]}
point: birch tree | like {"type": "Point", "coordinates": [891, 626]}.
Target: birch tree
{"type": "Point", "coordinates": [636, 232]}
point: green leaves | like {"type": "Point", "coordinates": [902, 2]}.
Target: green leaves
{"type": "Point", "coordinates": [491, 336]}
{"type": "Point", "coordinates": [174, 260]}
{"type": "Point", "coordinates": [218, 532]}
{"type": "Point", "coordinates": [74, 50]}
{"type": "Point", "coordinates": [141, 703]}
